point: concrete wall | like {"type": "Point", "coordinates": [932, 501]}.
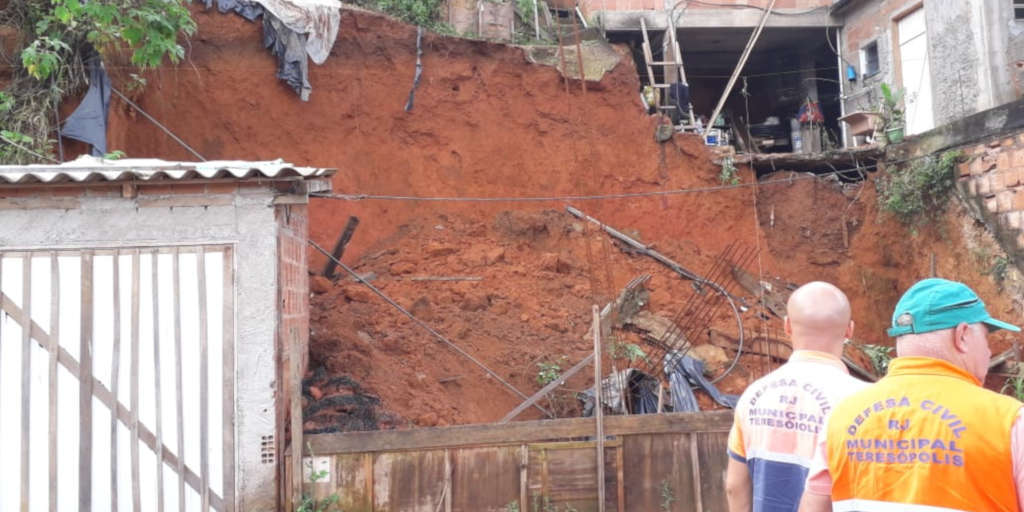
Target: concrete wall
{"type": "Point", "coordinates": [972, 48]}
{"type": "Point", "coordinates": [100, 217]}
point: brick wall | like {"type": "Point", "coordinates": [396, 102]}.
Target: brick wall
{"type": "Point", "coordinates": [993, 178]}
{"type": "Point", "coordinates": [293, 317]}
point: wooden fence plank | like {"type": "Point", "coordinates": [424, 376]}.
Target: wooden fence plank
{"type": "Point", "coordinates": [598, 407]}
{"type": "Point", "coordinates": [136, 496]}
{"type": "Point", "coordinates": [295, 414]}
{"type": "Point", "coordinates": [695, 460]}
{"type": "Point", "coordinates": [106, 397]}
{"type": "Point", "coordinates": [115, 367]}
{"type": "Point", "coordinates": [52, 349]}
{"type": "Point", "coordinates": [620, 480]}
{"type": "Point", "coordinates": [179, 399]}
{"type": "Point", "coordinates": [85, 388]}
{"type": "Point", "coordinates": [26, 377]}
{"type": "Point", "coordinates": [516, 432]}
{"type": "Point", "coordinates": [447, 480]}
{"type": "Point", "coordinates": [710, 447]}
{"type": "Point", "coordinates": [368, 469]}
{"type": "Point", "coordinates": [524, 477]}
{"type": "Point", "coordinates": [204, 378]}
{"type": "Point", "coordinates": [228, 418]}
{"type": "Point", "coordinates": [159, 428]}
{"type": "Point", "coordinates": [658, 472]}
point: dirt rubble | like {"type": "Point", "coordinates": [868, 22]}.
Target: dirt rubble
{"type": "Point", "coordinates": [488, 123]}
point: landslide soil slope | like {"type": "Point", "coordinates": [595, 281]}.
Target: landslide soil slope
{"type": "Point", "coordinates": [488, 123]}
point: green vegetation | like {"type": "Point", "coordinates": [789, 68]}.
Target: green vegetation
{"type": "Point", "coordinates": [880, 356]}
{"type": "Point", "coordinates": [1015, 386]}
{"type": "Point", "coordinates": [311, 504]}
{"type": "Point", "coordinates": [667, 495]}
{"type": "Point", "coordinates": [729, 175]}
{"type": "Point", "coordinates": [62, 35]}
{"type": "Point", "coordinates": [513, 506]}
{"type": "Point", "coordinates": [550, 371]}
{"type": "Point", "coordinates": [999, 269]}
{"type": "Point", "coordinates": [892, 113]}
{"type": "Point", "coordinates": [919, 192]}
{"type": "Point", "coordinates": [630, 351]}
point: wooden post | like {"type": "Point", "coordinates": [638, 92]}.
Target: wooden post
{"type": "Point", "coordinates": [134, 401]}
{"type": "Point", "coordinates": [115, 366]}
{"type": "Point", "coordinates": [447, 480]}
{"type": "Point", "coordinates": [739, 67]}
{"type": "Point", "coordinates": [85, 388]}
{"type": "Point", "coordinates": [536, 28]}
{"type": "Point", "coordinates": [158, 428]}
{"type": "Point", "coordinates": [179, 399]}
{"type": "Point", "coordinates": [598, 408]}
{"type": "Point", "coordinates": [620, 464]}
{"type": "Point", "coordinates": [368, 469]}
{"type": "Point", "coordinates": [698, 501]}
{"type": "Point", "coordinates": [26, 372]}
{"type": "Point", "coordinates": [204, 377]}
{"type": "Point", "coordinates": [295, 413]}
{"type": "Point", "coordinates": [228, 418]}
{"type": "Point", "coordinates": [339, 247]}
{"type": "Point", "coordinates": [53, 349]}
{"type": "Point", "coordinates": [524, 482]}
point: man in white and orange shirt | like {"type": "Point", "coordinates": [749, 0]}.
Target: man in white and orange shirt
{"type": "Point", "coordinates": [927, 437]}
{"type": "Point", "coordinates": [780, 416]}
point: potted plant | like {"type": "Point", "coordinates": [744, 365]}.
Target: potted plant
{"type": "Point", "coordinates": [892, 114]}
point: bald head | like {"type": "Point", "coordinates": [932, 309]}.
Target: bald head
{"type": "Point", "coordinates": [818, 318]}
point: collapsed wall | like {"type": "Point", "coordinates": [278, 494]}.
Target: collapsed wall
{"type": "Point", "coordinates": [511, 282]}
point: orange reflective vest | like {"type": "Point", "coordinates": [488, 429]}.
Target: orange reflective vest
{"type": "Point", "coordinates": [925, 437]}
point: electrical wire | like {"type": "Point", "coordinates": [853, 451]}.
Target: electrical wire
{"type": "Point", "coordinates": [157, 123]}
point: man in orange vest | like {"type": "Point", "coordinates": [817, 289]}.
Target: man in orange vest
{"type": "Point", "coordinates": [927, 437]}
{"type": "Point", "coordinates": [780, 416]}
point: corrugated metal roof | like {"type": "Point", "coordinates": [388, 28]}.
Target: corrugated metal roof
{"type": "Point", "coordinates": [88, 169]}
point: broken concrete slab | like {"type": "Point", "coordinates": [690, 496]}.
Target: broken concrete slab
{"type": "Point", "coordinates": [599, 57]}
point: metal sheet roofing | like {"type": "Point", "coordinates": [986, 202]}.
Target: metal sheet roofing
{"type": "Point", "coordinates": [87, 169]}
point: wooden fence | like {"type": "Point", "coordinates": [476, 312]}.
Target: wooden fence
{"type": "Point", "coordinates": [117, 379]}
{"type": "Point", "coordinates": [663, 462]}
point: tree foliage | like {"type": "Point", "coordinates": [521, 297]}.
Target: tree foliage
{"type": "Point", "coordinates": [60, 35]}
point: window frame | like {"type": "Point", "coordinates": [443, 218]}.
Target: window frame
{"type": "Point", "coordinates": [865, 50]}
{"type": "Point", "coordinates": [1018, 10]}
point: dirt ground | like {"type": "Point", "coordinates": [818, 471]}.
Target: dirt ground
{"type": "Point", "coordinates": [487, 123]}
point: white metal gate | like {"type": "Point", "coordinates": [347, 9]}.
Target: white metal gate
{"type": "Point", "coordinates": [117, 379]}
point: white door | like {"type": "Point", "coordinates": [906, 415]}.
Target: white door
{"type": "Point", "coordinates": [916, 75]}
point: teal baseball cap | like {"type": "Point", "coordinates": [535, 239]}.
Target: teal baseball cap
{"type": "Point", "coordinates": [936, 304]}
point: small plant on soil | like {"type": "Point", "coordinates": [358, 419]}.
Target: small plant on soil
{"type": "Point", "coordinates": [880, 356]}
{"type": "Point", "coordinates": [667, 495]}
{"type": "Point", "coordinates": [311, 504]}
{"type": "Point", "coordinates": [550, 371]}
{"type": "Point", "coordinates": [920, 191]}
{"type": "Point", "coordinates": [630, 351]}
{"type": "Point", "coordinates": [729, 175]}
{"type": "Point", "coordinates": [513, 506]}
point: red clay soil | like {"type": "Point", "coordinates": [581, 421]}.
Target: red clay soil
{"type": "Point", "coordinates": [488, 123]}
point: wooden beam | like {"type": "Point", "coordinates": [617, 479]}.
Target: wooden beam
{"type": "Point", "coordinates": [204, 377]}
{"type": "Point", "coordinates": [105, 396]}
{"type": "Point", "coordinates": [179, 398]}
{"type": "Point", "coordinates": [115, 366]}
{"type": "Point", "coordinates": [52, 349]}
{"type": "Point", "coordinates": [26, 376]}
{"type": "Point", "coordinates": [134, 385]}
{"type": "Point", "coordinates": [228, 413]}
{"type": "Point", "coordinates": [598, 407]}
{"type": "Point", "coordinates": [517, 432]}
{"type": "Point", "coordinates": [524, 482]}
{"type": "Point", "coordinates": [339, 247]}
{"type": "Point", "coordinates": [158, 402]}
{"type": "Point", "coordinates": [85, 387]}
{"type": "Point", "coordinates": [544, 391]}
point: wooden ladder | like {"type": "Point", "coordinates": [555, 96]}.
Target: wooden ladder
{"type": "Point", "coordinates": [677, 61]}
